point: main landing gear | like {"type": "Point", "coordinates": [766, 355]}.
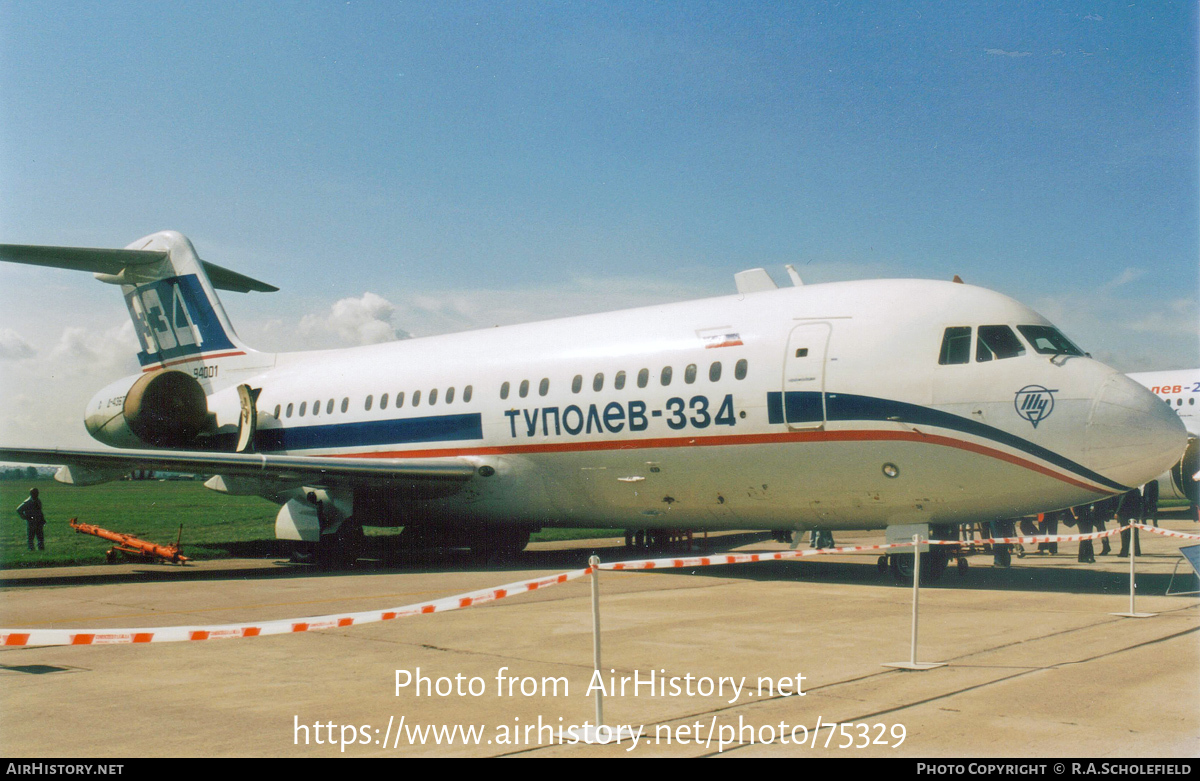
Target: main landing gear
{"type": "Point", "coordinates": [934, 560]}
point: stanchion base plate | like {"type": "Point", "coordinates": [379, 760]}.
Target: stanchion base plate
{"type": "Point", "coordinates": [915, 665]}
{"type": "Point", "coordinates": [1134, 615]}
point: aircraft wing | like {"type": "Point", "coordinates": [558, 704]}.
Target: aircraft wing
{"type": "Point", "coordinates": [440, 475]}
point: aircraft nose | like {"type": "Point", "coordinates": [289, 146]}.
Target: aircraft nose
{"type": "Point", "coordinates": [1132, 436]}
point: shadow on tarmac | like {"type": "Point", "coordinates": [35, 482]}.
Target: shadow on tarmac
{"type": "Point", "coordinates": [380, 557]}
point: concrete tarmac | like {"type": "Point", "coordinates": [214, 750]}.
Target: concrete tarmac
{"type": "Point", "coordinates": [1037, 666]}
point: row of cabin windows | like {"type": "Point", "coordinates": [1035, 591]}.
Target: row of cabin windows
{"type": "Point", "coordinates": [643, 379]}
{"type": "Point", "coordinates": [1179, 402]}
{"type": "Point", "coordinates": [997, 342]}
{"type": "Point", "coordinates": [414, 400]}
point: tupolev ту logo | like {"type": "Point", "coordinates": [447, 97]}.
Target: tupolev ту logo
{"type": "Point", "coordinates": [1034, 403]}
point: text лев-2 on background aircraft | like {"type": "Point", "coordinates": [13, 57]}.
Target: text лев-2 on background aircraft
{"type": "Point", "coordinates": [1180, 390]}
{"type": "Point", "coordinates": [844, 405]}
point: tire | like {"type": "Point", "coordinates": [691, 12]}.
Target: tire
{"type": "Point", "coordinates": [933, 564]}
{"type": "Point", "coordinates": [341, 549]}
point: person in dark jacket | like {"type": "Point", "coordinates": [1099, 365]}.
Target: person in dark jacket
{"type": "Point", "coordinates": [30, 511]}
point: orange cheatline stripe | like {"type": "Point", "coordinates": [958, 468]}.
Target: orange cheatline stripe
{"type": "Point", "coordinates": [191, 359]}
{"type": "Point", "coordinates": [855, 435]}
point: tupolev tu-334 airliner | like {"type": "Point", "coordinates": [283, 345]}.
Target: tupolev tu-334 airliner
{"type": "Point", "coordinates": [843, 405]}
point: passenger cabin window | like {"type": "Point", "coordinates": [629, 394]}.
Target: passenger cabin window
{"type": "Point", "coordinates": [1048, 340]}
{"type": "Point", "coordinates": [739, 369]}
{"type": "Point", "coordinates": [383, 401]}
{"type": "Point", "coordinates": [276, 411]}
{"type": "Point", "coordinates": [544, 386]}
{"type": "Point", "coordinates": [367, 404]}
{"type": "Point", "coordinates": [433, 396]}
{"type": "Point", "coordinates": [577, 383]}
{"type": "Point", "coordinates": [665, 377]}
{"type": "Point", "coordinates": [619, 380]}
{"type": "Point", "coordinates": [467, 394]}
{"type": "Point", "coordinates": [416, 400]}
{"type": "Point", "coordinates": [303, 404]}
{"type": "Point", "coordinates": [503, 391]}
{"type": "Point", "coordinates": [643, 378]}
{"type": "Point", "coordinates": [399, 399]}
{"type": "Point", "coordinates": [689, 374]}
{"type": "Point", "coordinates": [956, 345]}
{"type": "Point", "coordinates": [524, 391]}
{"type": "Point", "coordinates": [714, 372]}
{"type": "Point", "coordinates": [329, 407]}
{"type": "Point", "coordinates": [598, 382]}
{"type": "Point", "coordinates": [317, 407]}
{"type": "Point", "coordinates": [450, 395]}
{"type": "Point", "coordinates": [289, 410]}
{"type": "Point", "coordinates": [345, 403]}
{"type": "Point", "coordinates": [997, 342]}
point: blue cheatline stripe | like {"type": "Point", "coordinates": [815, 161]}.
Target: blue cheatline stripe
{"type": "Point", "coordinates": [402, 431]}
{"type": "Point", "coordinates": [805, 407]}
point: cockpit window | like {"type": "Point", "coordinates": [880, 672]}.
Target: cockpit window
{"type": "Point", "coordinates": [956, 345]}
{"type": "Point", "coordinates": [997, 342]}
{"type": "Point", "coordinates": [1047, 340]}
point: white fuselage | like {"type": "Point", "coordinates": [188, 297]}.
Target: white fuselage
{"type": "Point", "coordinates": [814, 406]}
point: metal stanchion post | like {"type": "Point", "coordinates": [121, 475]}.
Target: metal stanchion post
{"type": "Point", "coordinates": [1133, 544]}
{"type": "Point", "coordinates": [594, 563]}
{"type": "Point", "coordinates": [912, 663]}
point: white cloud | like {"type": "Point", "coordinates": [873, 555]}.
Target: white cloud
{"type": "Point", "coordinates": [45, 392]}
{"type": "Point", "coordinates": [1003, 53]}
{"type": "Point", "coordinates": [352, 322]}
{"type": "Point", "coordinates": [12, 346]}
{"type": "Point", "coordinates": [1127, 276]}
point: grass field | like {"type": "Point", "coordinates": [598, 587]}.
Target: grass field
{"type": "Point", "coordinates": [214, 525]}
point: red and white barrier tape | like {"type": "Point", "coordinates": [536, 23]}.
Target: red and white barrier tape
{"type": "Point", "coordinates": [1168, 532]}
{"type": "Point", "coordinates": [742, 558]}
{"type": "Point", "coordinates": [45, 637]}
{"type": "Point", "coordinates": [171, 634]}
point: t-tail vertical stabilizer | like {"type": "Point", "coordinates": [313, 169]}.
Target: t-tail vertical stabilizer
{"type": "Point", "coordinates": [171, 297]}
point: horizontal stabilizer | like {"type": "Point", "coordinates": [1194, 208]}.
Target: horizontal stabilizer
{"type": "Point", "coordinates": [111, 262]}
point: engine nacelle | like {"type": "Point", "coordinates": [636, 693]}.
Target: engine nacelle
{"type": "Point", "coordinates": [162, 409]}
{"type": "Point", "coordinates": [1178, 483]}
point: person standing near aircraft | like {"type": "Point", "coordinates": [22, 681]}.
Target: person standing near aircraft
{"type": "Point", "coordinates": [30, 511]}
{"type": "Point", "coordinates": [1048, 526]}
{"type": "Point", "coordinates": [1104, 511]}
{"type": "Point", "coordinates": [1129, 511]}
{"type": "Point", "coordinates": [1002, 552]}
{"type": "Point", "coordinates": [1084, 517]}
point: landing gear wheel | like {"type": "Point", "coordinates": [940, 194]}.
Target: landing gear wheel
{"type": "Point", "coordinates": [961, 563]}
{"type": "Point", "coordinates": [341, 549]}
{"type": "Point", "coordinates": [933, 564]}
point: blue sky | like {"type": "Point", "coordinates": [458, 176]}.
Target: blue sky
{"type": "Point", "coordinates": [418, 168]}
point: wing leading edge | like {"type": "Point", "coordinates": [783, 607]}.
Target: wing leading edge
{"type": "Point", "coordinates": [445, 473]}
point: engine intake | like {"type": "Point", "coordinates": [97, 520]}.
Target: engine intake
{"type": "Point", "coordinates": [166, 409]}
